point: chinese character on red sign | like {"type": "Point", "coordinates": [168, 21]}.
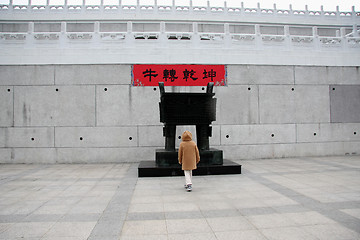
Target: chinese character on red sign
{"type": "Point", "coordinates": [178, 75]}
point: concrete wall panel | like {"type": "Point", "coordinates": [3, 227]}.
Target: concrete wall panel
{"type": "Point", "coordinates": [151, 136]}
{"type": "Point", "coordinates": [251, 74]}
{"type": "Point", "coordinates": [327, 75]}
{"type": "Point", "coordinates": [5, 155]}
{"type": "Point", "coordinates": [277, 104]}
{"type": "Point", "coordinates": [258, 151]}
{"type": "Point", "coordinates": [327, 149]}
{"type": "Point", "coordinates": [96, 137]}
{"type": "Point", "coordinates": [6, 106]}
{"type": "Point", "coordinates": [92, 74]}
{"type": "Point", "coordinates": [345, 103]}
{"type": "Point", "coordinates": [55, 106]}
{"type": "Point", "coordinates": [34, 155]}
{"type": "Point", "coordinates": [238, 152]}
{"type": "Point", "coordinates": [29, 137]}
{"type": "Point", "coordinates": [257, 134]}
{"type": "Point", "coordinates": [104, 155]}
{"type": "Point", "coordinates": [2, 137]}
{"type": "Point", "coordinates": [294, 104]}
{"type": "Point", "coordinates": [328, 132]}
{"type": "Point", "coordinates": [237, 105]}
{"type": "Point", "coordinates": [312, 104]}
{"type": "Point", "coordinates": [127, 105]}
{"type": "Point", "coordinates": [215, 140]}
{"type": "Point", "coordinates": [27, 75]}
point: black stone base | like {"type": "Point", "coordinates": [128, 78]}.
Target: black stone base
{"type": "Point", "coordinates": [151, 169]}
{"type": "Point", "coordinates": [164, 158]}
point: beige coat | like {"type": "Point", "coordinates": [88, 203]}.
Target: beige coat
{"type": "Point", "coordinates": [188, 152]}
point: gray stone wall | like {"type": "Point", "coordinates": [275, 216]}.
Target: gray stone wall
{"type": "Point", "coordinates": [92, 114]}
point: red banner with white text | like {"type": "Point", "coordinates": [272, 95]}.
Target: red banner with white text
{"type": "Point", "coordinates": [178, 75]}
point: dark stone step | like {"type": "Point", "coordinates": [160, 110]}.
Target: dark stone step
{"type": "Point", "coordinates": [151, 169]}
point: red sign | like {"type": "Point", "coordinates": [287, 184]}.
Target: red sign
{"type": "Point", "coordinates": [178, 75]}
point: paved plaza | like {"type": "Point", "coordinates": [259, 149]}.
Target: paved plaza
{"type": "Point", "coordinates": [297, 198]}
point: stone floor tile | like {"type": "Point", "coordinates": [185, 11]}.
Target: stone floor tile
{"type": "Point", "coordinates": [286, 233]}
{"type": "Point", "coordinates": [5, 226]}
{"type": "Point", "coordinates": [331, 232]}
{"type": "Point", "coordinates": [182, 226]}
{"type": "Point", "coordinates": [192, 236]}
{"type": "Point", "coordinates": [147, 227]}
{"type": "Point", "coordinates": [181, 206]}
{"type": "Point", "coordinates": [270, 221]}
{"type": "Point", "coordinates": [257, 211]}
{"type": "Point", "coordinates": [71, 229]}
{"type": "Point", "coordinates": [236, 235]}
{"type": "Point", "coordinates": [229, 224]}
{"type": "Point", "coordinates": [184, 215]}
{"type": "Point", "coordinates": [308, 218]}
{"type": "Point", "coordinates": [143, 237]}
{"type": "Point", "coordinates": [353, 212]}
{"type": "Point", "coordinates": [145, 216]}
{"type": "Point", "coordinates": [64, 238]}
{"type": "Point", "coordinates": [27, 230]}
{"type": "Point", "coordinates": [146, 207]}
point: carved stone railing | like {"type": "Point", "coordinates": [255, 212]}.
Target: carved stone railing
{"type": "Point", "coordinates": [120, 11]}
{"type": "Point", "coordinates": [344, 37]}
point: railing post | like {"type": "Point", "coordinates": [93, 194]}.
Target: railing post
{"type": "Point", "coordinates": [156, 8]}
{"type": "Point", "coordinates": [227, 35]}
{"type": "Point", "coordinates": [29, 6]}
{"type": "Point", "coordinates": [342, 34]}
{"type": "Point", "coordinates": [275, 10]}
{"type": "Point", "coordinates": [353, 13]}
{"type": "Point", "coordinates": [83, 7]}
{"type": "Point", "coordinates": [65, 6]}
{"type": "Point", "coordinates": [162, 37]}
{"type": "Point", "coordinates": [316, 38]}
{"type": "Point", "coordinates": [138, 6]}
{"type": "Point", "coordinates": [258, 39]}
{"type": "Point", "coordinates": [287, 36]}
{"type": "Point", "coordinates": [195, 37]}
{"type": "Point", "coordinates": [30, 34]}
{"type": "Point", "coordinates": [63, 34]}
{"type": "Point", "coordinates": [120, 7]}
{"type": "Point", "coordinates": [129, 39]}
{"type": "Point", "coordinates": [291, 10]}
{"type": "Point", "coordinates": [47, 7]}
{"type": "Point", "coordinates": [322, 11]}
{"type": "Point", "coordinates": [96, 37]}
{"type": "Point", "coordinates": [11, 6]}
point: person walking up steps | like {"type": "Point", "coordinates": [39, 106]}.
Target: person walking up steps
{"type": "Point", "coordinates": [188, 157]}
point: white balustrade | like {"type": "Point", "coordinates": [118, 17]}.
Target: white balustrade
{"type": "Point", "coordinates": [222, 35]}
{"type": "Point", "coordinates": [225, 11]}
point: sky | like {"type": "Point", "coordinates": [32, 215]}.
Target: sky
{"type": "Point", "coordinates": [328, 5]}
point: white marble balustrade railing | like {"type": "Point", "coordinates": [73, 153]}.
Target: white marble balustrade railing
{"type": "Point", "coordinates": [66, 39]}
{"type": "Point", "coordinates": [173, 9]}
